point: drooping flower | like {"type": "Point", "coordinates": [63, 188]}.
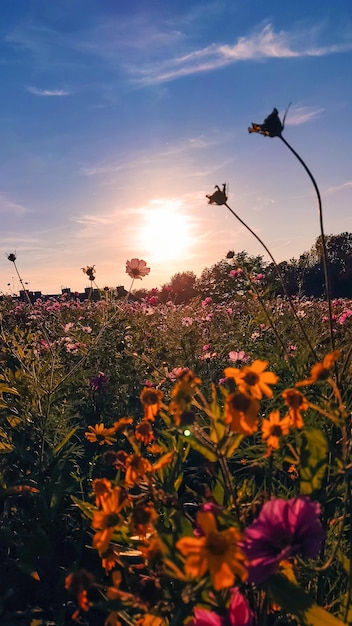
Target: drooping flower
{"type": "Point", "coordinates": [274, 427]}
{"type": "Point", "coordinates": [136, 468]}
{"type": "Point", "coordinates": [320, 371]}
{"type": "Point", "coordinates": [219, 196]}
{"type": "Point", "coordinates": [296, 403]}
{"type": "Point", "coordinates": [137, 268]}
{"type": "Point", "coordinates": [253, 379]}
{"type": "Point", "coordinates": [283, 528]}
{"type": "Point", "coordinates": [90, 271]}
{"type": "Point", "coordinates": [151, 400]}
{"type": "Point", "coordinates": [217, 552]}
{"type": "Point", "coordinates": [241, 413]}
{"type": "Point", "coordinates": [100, 434]}
{"type": "Point", "coordinates": [238, 613]}
{"type": "Point", "coordinates": [144, 432]}
{"type": "Point", "coordinates": [271, 127]}
{"type": "Point", "coordinates": [11, 257]}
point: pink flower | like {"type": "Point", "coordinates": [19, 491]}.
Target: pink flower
{"type": "Point", "coordinates": [235, 273]}
{"type": "Point", "coordinates": [137, 268]}
{"type": "Point", "coordinates": [283, 528]}
{"type": "Point", "coordinates": [239, 356]}
{"type": "Point", "coordinates": [206, 301]}
{"type": "Point", "coordinates": [238, 614]}
{"type": "Point", "coordinates": [258, 278]}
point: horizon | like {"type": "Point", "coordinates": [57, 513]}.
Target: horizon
{"type": "Point", "coordinates": [118, 120]}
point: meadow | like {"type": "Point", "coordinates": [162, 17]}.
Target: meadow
{"type": "Point", "coordinates": [166, 464]}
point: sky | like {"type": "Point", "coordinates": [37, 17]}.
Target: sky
{"type": "Point", "coordinates": [119, 116]}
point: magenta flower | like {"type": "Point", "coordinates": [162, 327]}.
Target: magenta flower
{"type": "Point", "coordinates": [283, 528]}
{"type": "Point", "coordinates": [238, 614]}
{"type": "Point", "coordinates": [98, 382]}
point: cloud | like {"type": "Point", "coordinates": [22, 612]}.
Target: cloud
{"type": "Point", "coordinates": [48, 92]}
{"type": "Point", "coordinates": [265, 44]}
{"type": "Point", "coordinates": [301, 115]}
{"type": "Point", "coordinates": [9, 206]}
{"type": "Point", "coordinates": [342, 187]}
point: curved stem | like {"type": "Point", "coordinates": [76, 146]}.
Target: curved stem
{"type": "Point", "coordinates": [281, 278]}
{"type": "Point", "coordinates": [323, 241]}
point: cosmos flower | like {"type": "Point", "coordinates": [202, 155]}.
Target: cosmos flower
{"type": "Point", "coordinates": [238, 614]}
{"type": "Point", "coordinates": [137, 268]}
{"type": "Point", "coordinates": [241, 413]}
{"type": "Point", "coordinates": [271, 127]}
{"type": "Point", "coordinates": [283, 528]}
{"type": "Point", "coordinates": [216, 552]}
{"type": "Point", "coordinates": [320, 371]}
{"type": "Point", "coordinates": [253, 379]}
{"type": "Point", "coordinates": [296, 403]}
{"type": "Point", "coordinates": [273, 428]}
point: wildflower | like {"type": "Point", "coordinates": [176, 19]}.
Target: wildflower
{"type": "Point", "coordinates": [273, 428]}
{"type": "Point", "coordinates": [102, 488]}
{"type": "Point", "coordinates": [238, 356]}
{"type": "Point", "coordinates": [235, 273]}
{"type": "Point", "coordinates": [108, 518]}
{"type": "Point", "coordinates": [98, 382]}
{"type": "Point", "coordinates": [155, 448]}
{"type": "Point", "coordinates": [151, 400]}
{"type": "Point", "coordinates": [11, 257]}
{"type": "Point", "coordinates": [121, 423]}
{"type": "Point", "coordinates": [90, 271]}
{"type": "Point", "coordinates": [241, 413]}
{"type": "Point", "coordinates": [153, 550]}
{"type": "Point", "coordinates": [219, 196]}
{"type": "Point", "coordinates": [206, 301]}
{"type": "Point", "coordinates": [78, 584]}
{"type": "Point", "coordinates": [296, 402]}
{"type": "Point", "coordinates": [136, 467]}
{"type": "Point", "coordinates": [142, 519]}
{"type": "Point", "coordinates": [238, 613]}
{"type": "Point", "coordinates": [137, 268]}
{"type": "Point", "coordinates": [253, 379]}
{"type": "Point", "coordinates": [216, 552]}
{"type": "Point", "coordinates": [283, 528]}
{"type": "Point", "coordinates": [320, 371]}
{"type": "Point", "coordinates": [100, 434]}
{"type": "Point", "coordinates": [230, 254]}
{"type": "Point", "coordinates": [271, 127]}
{"type": "Point", "coordinates": [144, 432]}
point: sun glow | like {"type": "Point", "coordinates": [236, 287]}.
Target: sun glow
{"type": "Point", "coordinates": [166, 232]}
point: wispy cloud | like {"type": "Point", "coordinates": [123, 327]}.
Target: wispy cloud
{"type": "Point", "coordinates": [9, 206]}
{"type": "Point", "coordinates": [263, 44]}
{"type": "Point", "coordinates": [48, 92]}
{"type": "Point", "coordinates": [301, 115]}
{"type": "Point", "coordinates": [342, 187]}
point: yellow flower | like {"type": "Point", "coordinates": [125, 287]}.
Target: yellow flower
{"type": "Point", "coordinates": [241, 413]}
{"type": "Point", "coordinates": [151, 400]}
{"type": "Point", "coordinates": [253, 379]}
{"type": "Point", "coordinates": [108, 518]}
{"type": "Point", "coordinates": [273, 428]}
{"type": "Point", "coordinates": [216, 552]}
{"type": "Point", "coordinates": [296, 402]}
{"type": "Point", "coordinates": [99, 433]}
{"type": "Point", "coordinates": [136, 468]}
{"type": "Point", "coordinates": [320, 371]}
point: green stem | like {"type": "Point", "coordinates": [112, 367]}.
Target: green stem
{"type": "Point", "coordinates": [323, 242]}
{"type": "Point", "coordinates": [280, 278]}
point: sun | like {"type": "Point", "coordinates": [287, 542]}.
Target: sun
{"type": "Point", "coordinates": [166, 232]}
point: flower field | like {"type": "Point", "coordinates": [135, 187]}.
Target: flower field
{"type": "Point", "coordinates": [166, 464]}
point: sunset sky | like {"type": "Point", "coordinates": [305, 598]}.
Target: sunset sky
{"type": "Point", "coordinates": [118, 116]}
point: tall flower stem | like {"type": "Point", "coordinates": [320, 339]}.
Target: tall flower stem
{"type": "Point", "coordinates": [281, 278]}
{"type": "Point", "coordinates": [323, 239]}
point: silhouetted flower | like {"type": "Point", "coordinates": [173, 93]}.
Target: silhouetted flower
{"type": "Point", "coordinates": [11, 257]}
{"type": "Point", "coordinates": [136, 268]}
{"type": "Point", "coordinates": [283, 528]}
{"type": "Point", "coordinates": [90, 271]}
{"type": "Point", "coordinates": [218, 197]}
{"type": "Point", "coordinates": [271, 127]}
{"type": "Point", "coordinates": [230, 254]}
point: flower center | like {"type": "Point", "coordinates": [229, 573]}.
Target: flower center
{"type": "Point", "coordinates": [217, 544]}
{"type": "Point", "coordinates": [112, 519]}
{"type": "Point", "coordinates": [276, 431]}
{"type": "Point", "coordinates": [251, 379]}
{"type": "Point", "coordinates": [240, 402]}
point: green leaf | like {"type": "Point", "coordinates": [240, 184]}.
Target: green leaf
{"type": "Point", "coordinates": [200, 447]}
{"type": "Point", "coordinates": [64, 441]}
{"type": "Point", "coordinates": [87, 509]}
{"type": "Point", "coordinates": [295, 600]}
{"type": "Point", "coordinates": [312, 460]}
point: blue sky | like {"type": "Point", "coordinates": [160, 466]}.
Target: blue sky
{"type": "Point", "coordinates": [118, 116]}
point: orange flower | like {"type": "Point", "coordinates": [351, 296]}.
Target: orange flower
{"type": "Point", "coordinates": [99, 433]}
{"type": "Point", "coordinates": [124, 421]}
{"type": "Point", "coordinates": [155, 448]}
{"type": "Point", "coordinates": [153, 550]}
{"type": "Point", "coordinates": [142, 518]}
{"type": "Point", "coordinates": [137, 467]}
{"type": "Point", "coordinates": [101, 488]}
{"type": "Point", "coordinates": [108, 518]}
{"type": "Point", "coordinates": [252, 379]}
{"type": "Point", "coordinates": [273, 428]}
{"type": "Point", "coordinates": [216, 552]}
{"type": "Point", "coordinates": [144, 432]}
{"type": "Point", "coordinates": [151, 400]}
{"type": "Point", "coordinates": [241, 413]}
{"type": "Point", "coordinates": [164, 460]}
{"type": "Point", "coordinates": [296, 402]}
{"type": "Point", "coordinates": [320, 371]}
